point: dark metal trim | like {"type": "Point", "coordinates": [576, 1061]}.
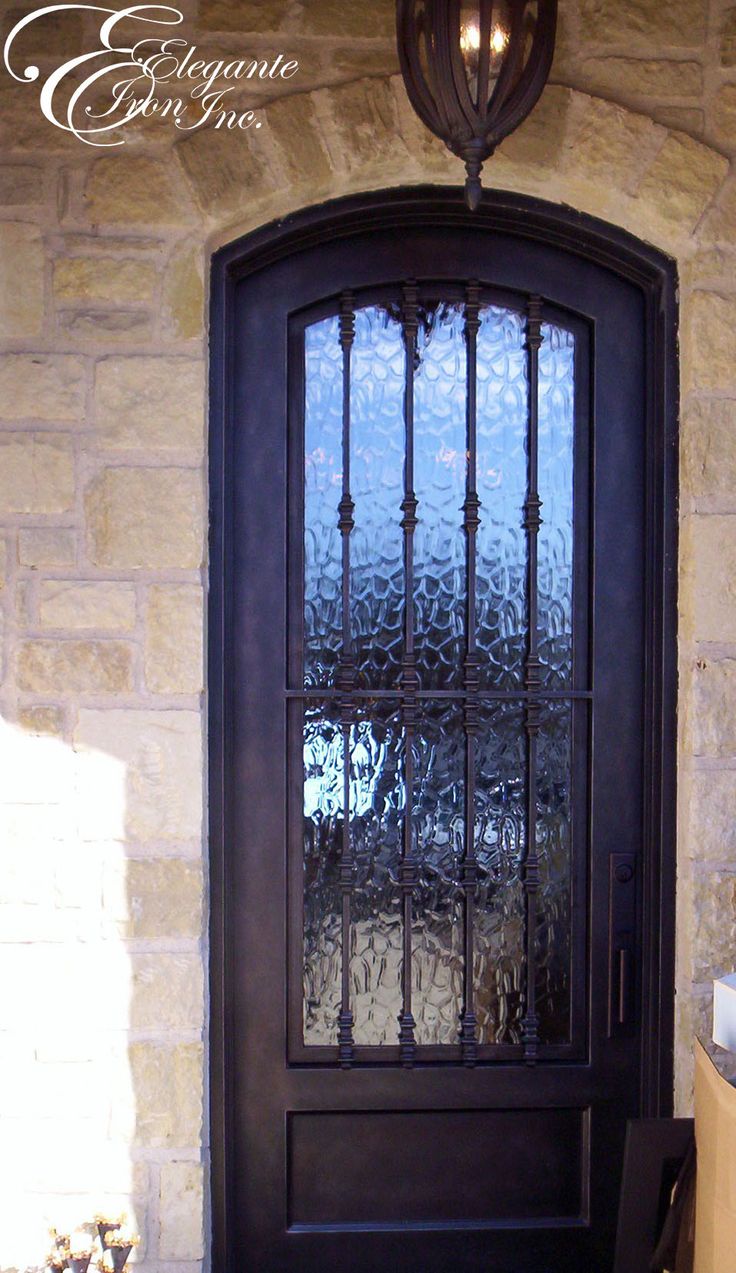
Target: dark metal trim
{"type": "Point", "coordinates": [655, 274]}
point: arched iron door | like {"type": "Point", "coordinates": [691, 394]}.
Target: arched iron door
{"type": "Point", "coordinates": [436, 656]}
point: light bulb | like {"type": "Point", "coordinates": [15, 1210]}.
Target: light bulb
{"type": "Point", "coordinates": [499, 39]}
{"type": "Point", "coordinates": [470, 37]}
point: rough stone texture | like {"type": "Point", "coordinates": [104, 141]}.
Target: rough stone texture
{"type": "Point", "coordinates": [20, 184]}
{"type": "Point", "coordinates": [181, 1211]}
{"type": "Point", "coordinates": [682, 22]}
{"type": "Point", "coordinates": [728, 38]}
{"type": "Point", "coordinates": [103, 279]}
{"type": "Point", "coordinates": [21, 279]}
{"type": "Point", "coordinates": [294, 128]}
{"type": "Point", "coordinates": [173, 644]}
{"type": "Point", "coordinates": [183, 296]}
{"type": "Point", "coordinates": [725, 113]}
{"type": "Point", "coordinates": [41, 720]}
{"type": "Point", "coordinates": [708, 451]}
{"type": "Point", "coordinates": [36, 473]}
{"type": "Point", "coordinates": [145, 518]}
{"type": "Point", "coordinates": [34, 386]}
{"type": "Point", "coordinates": [683, 179]}
{"type": "Point", "coordinates": [75, 667]}
{"type": "Point", "coordinates": [643, 77]}
{"type": "Point", "coordinates": [46, 547]}
{"type": "Point", "coordinates": [715, 923]}
{"type": "Point", "coordinates": [712, 815]}
{"type": "Point", "coordinates": [712, 333]}
{"type": "Point", "coordinates": [169, 1090]}
{"type": "Point", "coordinates": [223, 169]}
{"type": "Point", "coordinates": [71, 604]}
{"type": "Point", "coordinates": [150, 898]}
{"type": "Point", "coordinates": [230, 15]}
{"type": "Point", "coordinates": [714, 708]}
{"type": "Point", "coordinates": [121, 189]}
{"type": "Point", "coordinates": [161, 755]}
{"type": "Point", "coordinates": [154, 404]}
{"type": "Point", "coordinates": [167, 992]}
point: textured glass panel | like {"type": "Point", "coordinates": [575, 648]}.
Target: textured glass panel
{"type": "Point", "coordinates": [554, 841]}
{"type": "Point", "coordinates": [376, 480]}
{"type": "Point", "coordinates": [439, 481]}
{"type": "Point", "coordinates": [322, 488]}
{"type": "Point", "coordinates": [323, 801]}
{"type": "Point", "coordinates": [556, 435]}
{"type": "Point", "coordinates": [499, 903]}
{"type": "Point", "coordinates": [437, 932]}
{"type": "Point", "coordinates": [377, 804]}
{"type": "Point", "coordinates": [502, 477]}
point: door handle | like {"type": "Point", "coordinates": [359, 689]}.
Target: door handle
{"type": "Point", "coordinates": [621, 945]}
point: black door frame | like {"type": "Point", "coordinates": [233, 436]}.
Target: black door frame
{"type": "Point", "coordinates": [656, 276]}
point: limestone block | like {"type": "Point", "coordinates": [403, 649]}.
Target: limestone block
{"type": "Point", "coordinates": [356, 61]}
{"type": "Point", "coordinates": [77, 605]}
{"type": "Point", "coordinates": [366, 122]}
{"type": "Point", "coordinates": [707, 449]}
{"type": "Point", "coordinates": [293, 125]}
{"type": "Point", "coordinates": [21, 279]}
{"type": "Point", "coordinates": [709, 577]}
{"type": "Point", "coordinates": [724, 114]}
{"type": "Point", "coordinates": [122, 189]}
{"type": "Point", "coordinates": [149, 403]}
{"type": "Point", "coordinates": [334, 18]}
{"type": "Point", "coordinates": [46, 546]}
{"type": "Point", "coordinates": [146, 518]}
{"type": "Point", "coordinates": [728, 38]}
{"type": "Point", "coordinates": [682, 118]}
{"type": "Point", "coordinates": [36, 473]}
{"type": "Point", "coordinates": [719, 223]}
{"type": "Point", "coordinates": [183, 295]}
{"type": "Point", "coordinates": [233, 15]}
{"type": "Point", "coordinates": [20, 184]}
{"type": "Point", "coordinates": [709, 341]}
{"type": "Point", "coordinates": [75, 667]}
{"type": "Point", "coordinates": [167, 992]}
{"type": "Point", "coordinates": [683, 180]}
{"type": "Point", "coordinates": [713, 709]}
{"type": "Point", "coordinates": [714, 937]}
{"type": "Point", "coordinates": [168, 1092]}
{"type": "Point", "coordinates": [181, 1205]}
{"type": "Point", "coordinates": [609, 146]}
{"type": "Point", "coordinates": [639, 22]}
{"type": "Point", "coordinates": [3, 563]}
{"type": "Point", "coordinates": [642, 77]}
{"type": "Point", "coordinates": [161, 755]}
{"type": "Point", "coordinates": [161, 897]}
{"type": "Point", "coordinates": [225, 168]}
{"type": "Point", "coordinates": [540, 140]}
{"type": "Point", "coordinates": [711, 815]}
{"type": "Point", "coordinates": [42, 720]}
{"type": "Point", "coordinates": [106, 328]}
{"type": "Point", "coordinates": [42, 387]}
{"type": "Point", "coordinates": [103, 279]}
{"type": "Point", "coordinates": [173, 644]}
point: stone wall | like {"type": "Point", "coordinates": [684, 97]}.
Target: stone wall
{"type": "Point", "coordinates": [103, 260]}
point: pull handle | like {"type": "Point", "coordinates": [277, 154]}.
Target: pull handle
{"type": "Point", "coordinates": [624, 985]}
{"type": "Point", "coordinates": [622, 945]}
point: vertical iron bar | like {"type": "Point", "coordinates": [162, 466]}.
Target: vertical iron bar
{"type": "Point", "coordinates": [345, 683]}
{"type": "Point", "coordinates": [532, 522]}
{"type": "Point", "coordinates": [409, 676]}
{"type": "Point", "coordinates": [471, 522]}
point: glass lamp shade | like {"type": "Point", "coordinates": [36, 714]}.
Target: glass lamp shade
{"type": "Point", "coordinates": [473, 71]}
